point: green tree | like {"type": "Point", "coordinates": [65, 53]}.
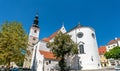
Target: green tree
{"type": "Point", "coordinates": [13, 39]}
{"type": "Point", "coordinates": [61, 47]}
{"type": "Point", "coordinates": [113, 53]}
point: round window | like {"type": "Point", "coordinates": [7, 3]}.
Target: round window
{"type": "Point", "coordinates": [93, 35]}
{"type": "Point", "coordinates": [80, 35]}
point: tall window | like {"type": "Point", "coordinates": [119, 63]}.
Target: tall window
{"type": "Point", "coordinates": [34, 38]}
{"type": "Point", "coordinates": [49, 61]}
{"type": "Point", "coordinates": [91, 58]}
{"type": "Point", "coordinates": [35, 31]}
{"type": "Point", "coordinates": [81, 48]}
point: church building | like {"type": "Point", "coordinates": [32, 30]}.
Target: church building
{"type": "Point", "coordinates": [42, 59]}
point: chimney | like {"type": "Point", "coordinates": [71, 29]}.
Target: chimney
{"type": "Point", "coordinates": [115, 38]}
{"type": "Point", "coordinates": [116, 41]}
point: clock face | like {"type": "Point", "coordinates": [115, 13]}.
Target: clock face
{"type": "Point", "coordinates": [80, 35]}
{"type": "Point", "coordinates": [34, 33]}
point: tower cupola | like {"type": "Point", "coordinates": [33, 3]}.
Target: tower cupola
{"type": "Point", "coordinates": [35, 23]}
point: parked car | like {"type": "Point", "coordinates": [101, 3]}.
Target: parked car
{"type": "Point", "coordinates": [21, 69]}
{"type": "Point", "coordinates": [117, 67]}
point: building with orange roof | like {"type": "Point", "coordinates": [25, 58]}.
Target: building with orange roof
{"type": "Point", "coordinates": [50, 61]}
{"type": "Point", "coordinates": [102, 50]}
{"type": "Point", "coordinates": [113, 43]}
{"type": "Point", "coordinates": [103, 60]}
{"type": "Point", "coordinates": [87, 45]}
{"type": "Point", "coordinates": [110, 45]}
{"type": "Point", "coordinates": [44, 60]}
{"type": "Point", "coordinates": [47, 54]}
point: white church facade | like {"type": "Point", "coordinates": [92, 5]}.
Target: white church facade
{"type": "Point", "coordinates": [87, 58]}
{"type": "Point", "coordinates": [88, 50]}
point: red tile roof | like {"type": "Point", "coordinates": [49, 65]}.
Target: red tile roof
{"type": "Point", "coordinates": [46, 39]}
{"type": "Point", "coordinates": [47, 55]}
{"type": "Point", "coordinates": [53, 35]}
{"type": "Point", "coordinates": [102, 50]}
{"type": "Point", "coordinates": [50, 37]}
{"type": "Point", "coordinates": [113, 41]}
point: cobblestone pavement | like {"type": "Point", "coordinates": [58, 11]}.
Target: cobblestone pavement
{"type": "Point", "coordinates": [95, 70]}
{"type": "Point", "coordinates": [104, 69]}
{"type": "Point", "coordinates": [100, 70]}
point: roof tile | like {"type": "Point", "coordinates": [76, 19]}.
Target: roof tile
{"type": "Point", "coordinates": [47, 55]}
{"type": "Point", "coordinates": [113, 41]}
{"type": "Point", "coordinates": [102, 50]}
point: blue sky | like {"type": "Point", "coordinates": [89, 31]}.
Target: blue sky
{"type": "Point", "coordinates": [102, 15]}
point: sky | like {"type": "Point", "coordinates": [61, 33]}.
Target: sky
{"type": "Point", "coordinates": [102, 15]}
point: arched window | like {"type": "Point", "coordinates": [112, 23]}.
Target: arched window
{"type": "Point", "coordinates": [91, 58]}
{"type": "Point", "coordinates": [81, 48]}
{"type": "Point", "coordinates": [34, 38]}
{"type": "Point", "coordinates": [35, 31]}
{"type": "Point", "coordinates": [93, 35]}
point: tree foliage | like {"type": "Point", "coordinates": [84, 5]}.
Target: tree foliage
{"type": "Point", "coordinates": [113, 53]}
{"type": "Point", "coordinates": [61, 47]}
{"type": "Point", "coordinates": [13, 39]}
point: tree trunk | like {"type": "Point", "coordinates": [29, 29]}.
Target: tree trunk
{"type": "Point", "coordinates": [62, 64]}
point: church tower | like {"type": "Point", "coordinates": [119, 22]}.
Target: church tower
{"type": "Point", "coordinates": [34, 32]}
{"type": "Point", "coordinates": [33, 39]}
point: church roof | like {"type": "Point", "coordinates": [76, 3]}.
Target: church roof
{"type": "Point", "coordinates": [47, 55]}
{"type": "Point", "coordinates": [46, 39]}
{"type": "Point", "coordinates": [53, 35]}
{"type": "Point", "coordinates": [113, 41]}
{"type": "Point", "coordinates": [78, 26]}
{"type": "Point", "coordinates": [50, 37]}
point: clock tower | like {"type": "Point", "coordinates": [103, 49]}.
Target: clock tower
{"type": "Point", "coordinates": [33, 39]}
{"type": "Point", "coordinates": [34, 32]}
